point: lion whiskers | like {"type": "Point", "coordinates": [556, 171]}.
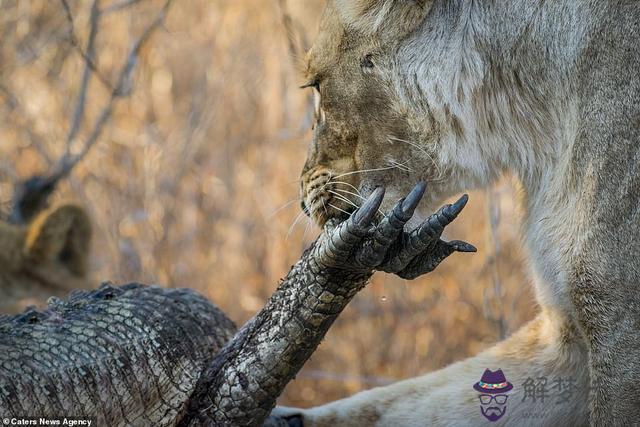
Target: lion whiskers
{"type": "Point", "coordinates": [297, 219]}
{"type": "Point", "coordinates": [352, 193]}
{"type": "Point", "coordinates": [439, 176]}
{"type": "Point", "coordinates": [347, 184]}
{"type": "Point", "coordinates": [349, 192]}
{"type": "Point", "coordinates": [401, 166]}
{"type": "Point", "coordinates": [343, 198]}
{"type": "Point", "coordinates": [338, 209]}
{"type": "Point", "coordinates": [364, 171]}
{"type": "Point", "coordinates": [285, 205]}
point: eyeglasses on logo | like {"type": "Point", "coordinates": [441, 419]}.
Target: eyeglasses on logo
{"type": "Point", "coordinates": [493, 388]}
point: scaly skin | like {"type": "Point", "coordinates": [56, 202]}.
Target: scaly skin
{"type": "Point", "coordinates": [242, 384]}
{"type": "Point", "coordinates": [128, 355]}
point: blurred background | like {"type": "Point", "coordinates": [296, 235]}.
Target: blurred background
{"type": "Point", "coordinates": [192, 177]}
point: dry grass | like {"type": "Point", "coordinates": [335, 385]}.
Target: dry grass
{"type": "Point", "coordinates": [194, 180]}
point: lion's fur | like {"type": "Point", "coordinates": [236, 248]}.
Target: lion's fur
{"type": "Point", "coordinates": [459, 93]}
{"type": "Point", "coordinates": [47, 257]}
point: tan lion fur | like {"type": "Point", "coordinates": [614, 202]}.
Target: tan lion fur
{"type": "Point", "coordinates": [457, 93]}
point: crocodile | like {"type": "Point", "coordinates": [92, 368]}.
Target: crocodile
{"type": "Point", "coordinates": [127, 355]}
{"type": "Point", "coordinates": [146, 355]}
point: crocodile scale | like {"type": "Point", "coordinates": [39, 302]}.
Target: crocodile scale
{"type": "Point", "coordinates": [127, 355]}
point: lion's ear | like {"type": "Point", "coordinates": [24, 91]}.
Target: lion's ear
{"type": "Point", "coordinates": [393, 18]}
{"type": "Point", "coordinates": [62, 235]}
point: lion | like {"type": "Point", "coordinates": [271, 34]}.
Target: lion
{"type": "Point", "coordinates": [456, 94]}
{"type": "Point", "coordinates": [48, 257]}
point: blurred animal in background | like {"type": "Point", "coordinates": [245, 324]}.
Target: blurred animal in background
{"type": "Point", "coordinates": [45, 252]}
{"type": "Point", "coordinates": [46, 257]}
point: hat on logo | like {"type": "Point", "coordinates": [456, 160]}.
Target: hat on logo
{"type": "Point", "coordinates": [493, 383]}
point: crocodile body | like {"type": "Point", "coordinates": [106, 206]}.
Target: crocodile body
{"type": "Point", "coordinates": [128, 355]}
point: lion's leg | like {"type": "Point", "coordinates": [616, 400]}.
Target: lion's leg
{"type": "Point", "coordinates": [545, 361]}
{"type": "Point", "coordinates": [610, 320]}
{"type": "Point", "coordinates": [605, 281]}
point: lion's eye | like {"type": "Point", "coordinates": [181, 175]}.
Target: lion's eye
{"type": "Point", "coordinates": [367, 62]}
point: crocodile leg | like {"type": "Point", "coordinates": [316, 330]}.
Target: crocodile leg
{"type": "Point", "coordinates": [241, 386]}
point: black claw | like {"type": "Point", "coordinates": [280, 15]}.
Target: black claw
{"type": "Point", "coordinates": [365, 214]}
{"type": "Point", "coordinates": [457, 207]}
{"type": "Point", "coordinates": [410, 203]}
{"type": "Point", "coordinates": [461, 246]}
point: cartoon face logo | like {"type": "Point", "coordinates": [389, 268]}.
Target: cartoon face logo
{"type": "Point", "coordinates": [493, 388]}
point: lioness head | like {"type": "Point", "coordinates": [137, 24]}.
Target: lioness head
{"type": "Point", "coordinates": [372, 126]}
{"type": "Point", "coordinates": [47, 257]}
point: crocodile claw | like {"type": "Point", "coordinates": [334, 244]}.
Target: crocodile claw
{"type": "Point", "coordinates": [360, 247]}
{"type": "Point", "coordinates": [365, 214]}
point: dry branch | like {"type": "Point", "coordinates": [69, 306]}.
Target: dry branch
{"type": "Point", "coordinates": [31, 195]}
{"type": "Point", "coordinates": [87, 56]}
